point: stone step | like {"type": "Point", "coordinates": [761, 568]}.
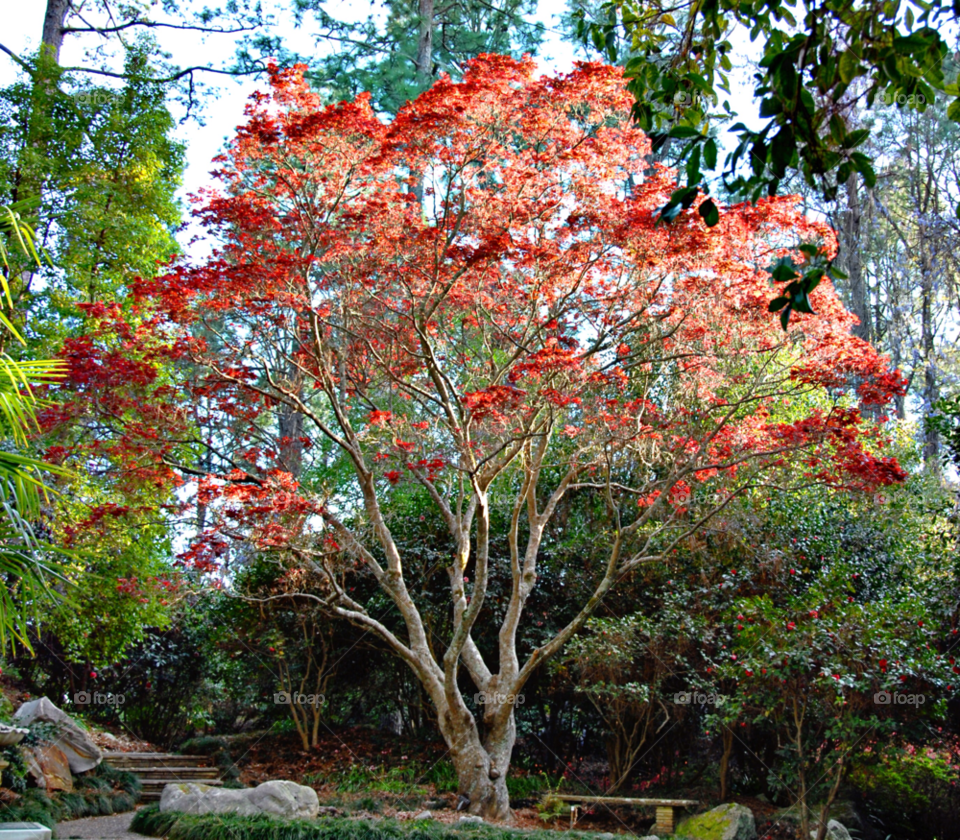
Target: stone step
{"type": "Point", "coordinates": [186, 771]}
{"type": "Point", "coordinates": [157, 770]}
{"type": "Point", "coordinates": [120, 759]}
{"type": "Point", "coordinates": [169, 780]}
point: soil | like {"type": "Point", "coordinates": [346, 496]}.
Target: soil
{"type": "Point", "coordinates": [120, 741]}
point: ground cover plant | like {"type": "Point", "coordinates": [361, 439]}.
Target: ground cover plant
{"type": "Point", "coordinates": [175, 826]}
{"type": "Point", "coordinates": [100, 792]}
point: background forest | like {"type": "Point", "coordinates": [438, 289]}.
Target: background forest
{"type": "Point", "coordinates": [160, 535]}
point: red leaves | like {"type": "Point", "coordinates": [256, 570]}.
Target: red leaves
{"type": "Point", "coordinates": [478, 271]}
{"type": "Point", "coordinates": [493, 401]}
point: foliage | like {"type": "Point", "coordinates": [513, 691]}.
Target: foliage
{"type": "Point", "coordinates": [945, 420]}
{"type": "Point", "coordinates": [121, 582]}
{"type": "Point", "coordinates": [390, 59]}
{"type": "Point", "coordinates": [106, 166]}
{"type": "Point", "coordinates": [810, 71]}
{"type": "Point", "coordinates": [813, 72]}
{"type": "Point", "coordinates": [23, 569]}
{"type": "Point", "coordinates": [620, 665]}
{"type": "Point", "coordinates": [914, 791]}
{"type": "Point", "coordinates": [15, 774]}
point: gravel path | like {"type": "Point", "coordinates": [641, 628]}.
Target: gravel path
{"type": "Point", "coordinates": [116, 827]}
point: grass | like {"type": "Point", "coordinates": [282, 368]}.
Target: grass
{"type": "Point", "coordinates": [174, 826]}
{"type": "Point", "coordinates": [410, 779]}
{"type": "Point", "coordinates": [101, 792]}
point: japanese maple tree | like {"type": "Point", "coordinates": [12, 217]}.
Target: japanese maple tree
{"type": "Point", "coordinates": [475, 299]}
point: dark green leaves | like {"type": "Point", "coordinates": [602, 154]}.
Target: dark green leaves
{"type": "Point", "coordinates": [709, 212]}
{"type": "Point", "coordinates": [892, 51]}
{"type": "Point", "coordinates": [801, 280]}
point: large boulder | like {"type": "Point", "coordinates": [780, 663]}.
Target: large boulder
{"type": "Point", "coordinates": [80, 750]}
{"type": "Point", "coordinates": [276, 798]}
{"type": "Point", "coordinates": [835, 831]}
{"type": "Point", "coordinates": [49, 768]}
{"type": "Point", "coordinates": [728, 822]}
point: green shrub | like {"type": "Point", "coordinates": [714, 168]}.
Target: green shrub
{"type": "Point", "coordinates": [916, 795]}
{"type": "Point", "coordinates": [15, 775]}
{"type": "Point", "coordinates": [527, 787]}
{"type": "Point", "coordinates": [218, 748]}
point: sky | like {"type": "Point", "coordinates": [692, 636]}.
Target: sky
{"type": "Point", "coordinates": [222, 112]}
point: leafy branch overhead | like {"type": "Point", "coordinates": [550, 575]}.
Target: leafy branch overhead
{"type": "Point", "coordinates": [820, 60]}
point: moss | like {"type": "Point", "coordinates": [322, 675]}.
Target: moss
{"type": "Point", "coordinates": [708, 826]}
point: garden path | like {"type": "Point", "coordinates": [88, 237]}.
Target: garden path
{"type": "Point", "coordinates": [115, 827]}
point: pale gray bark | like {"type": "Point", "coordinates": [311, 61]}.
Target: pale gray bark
{"type": "Point", "coordinates": [53, 23]}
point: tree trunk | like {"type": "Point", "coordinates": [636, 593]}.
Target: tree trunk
{"type": "Point", "coordinates": [851, 264]}
{"type": "Point", "coordinates": [931, 383]}
{"type": "Point", "coordinates": [425, 43]}
{"type": "Point", "coordinates": [725, 762]}
{"type": "Point", "coordinates": [481, 763]}
{"type": "Point", "coordinates": [290, 428]}
{"type": "Point", "coordinates": [53, 22]}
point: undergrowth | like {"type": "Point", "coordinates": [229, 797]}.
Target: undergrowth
{"type": "Point", "coordinates": [175, 826]}
{"type": "Point", "coordinates": [101, 792]}
{"type": "Point", "coordinates": [219, 749]}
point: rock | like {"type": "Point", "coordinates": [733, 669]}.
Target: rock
{"type": "Point", "coordinates": [835, 831]}
{"type": "Point", "coordinates": [728, 822]}
{"type": "Point", "coordinates": [424, 815]}
{"type": "Point", "coordinates": [11, 735]}
{"type": "Point", "coordinates": [33, 769]}
{"type": "Point", "coordinates": [285, 799]}
{"type": "Point", "coordinates": [81, 752]}
{"type": "Point", "coordinates": [275, 798]}
{"type": "Point", "coordinates": [190, 798]}
{"type": "Point", "coordinates": [49, 767]}
{"type": "Point", "coordinates": [470, 818]}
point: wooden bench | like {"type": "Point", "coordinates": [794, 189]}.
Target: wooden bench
{"type": "Point", "coordinates": [666, 808]}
